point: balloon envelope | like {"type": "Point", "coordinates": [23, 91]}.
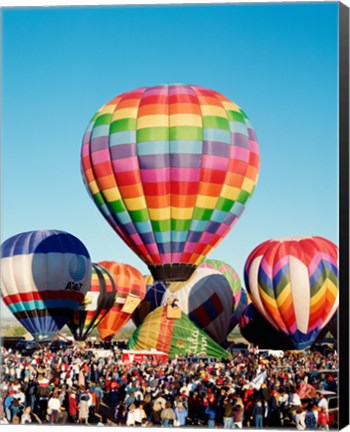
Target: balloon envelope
{"type": "Point", "coordinates": [293, 284]}
{"type": "Point", "coordinates": [97, 302]}
{"type": "Point", "coordinates": [153, 299]}
{"type": "Point", "coordinates": [240, 298]}
{"type": "Point", "coordinates": [44, 278]}
{"type": "Point", "coordinates": [131, 289]}
{"type": "Point", "coordinates": [260, 332]}
{"type": "Point", "coordinates": [173, 336]}
{"type": "Point", "coordinates": [171, 168]}
{"type": "Point", "coordinates": [207, 298]}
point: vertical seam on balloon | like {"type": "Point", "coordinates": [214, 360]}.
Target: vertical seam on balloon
{"type": "Point", "coordinates": [37, 332]}
{"type": "Point", "coordinates": [332, 249]}
{"type": "Point", "coordinates": [219, 195]}
{"type": "Point", "coordinates": [112, 300]}
{"type": "Point", "coordinates": [263, 311]}
{"type": "Point", "coordinates": [101, 286]}
{"type": "Point", "coordinates": [96, 179]}
{"type": "Point", "coordinates": [195, 204]}
{"type": "Point", "coordinates": [324, 297]}
{"type": "Point", "coordinates": [288, 245]}
{"type": "Point", "coordinates": [170, 182]}
{"type": "Point", "coordinates": [278, 247]}
{"type": "Point", "coordinates": [141, 183]}
{"type": "Point", "coordinates": [304, 261]}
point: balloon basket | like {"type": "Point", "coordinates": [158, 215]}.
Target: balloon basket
{"type": "Point", "coordinates": [172, 272]}
{"type": "Point", "coordinates": [173, 312]}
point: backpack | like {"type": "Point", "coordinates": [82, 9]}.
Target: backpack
{"type": "Point", "coordinates": [310, 420]}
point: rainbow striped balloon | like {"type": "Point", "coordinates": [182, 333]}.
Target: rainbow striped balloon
{"type": "Point", "coordinates": [293, 284]}
{"type": "Point", "coordinates": [97, 302]}
{"type": "Point", "coordinates": [171, 168]}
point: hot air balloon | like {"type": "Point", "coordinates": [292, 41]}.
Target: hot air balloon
{"type": "Point", "coordinates": [257, 330]}
{"type": "Point", "coordinates": [97, 302]}
{"type": "Point", "coordinates": [171, 168]}
{"type": "Point", "coordinates": [44, 278]}
{"type": "Point", "coordinates": [293, 284]}
{"type": "Point", "coordinates": [131, 289]}
{"type": "Point", "coordinates": [207, 298]}
{"type": "Point", "coordinates": [153, 299]}
{"type": "Point", "coordinates": [240, 298]}
{"type": "Point", "coordinates": [174, 336]}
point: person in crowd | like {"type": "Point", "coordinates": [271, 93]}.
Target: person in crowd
{"type": "Point", "coordinates": [258, 414]}
{"type": "Point", "coordinates": [83, 409]}
{"type": "Point", "coordinates": [310, 418]}
{"type": "Point", "coordinates": [300, 419]}
{"type": "Point", "coordinates": [167, 415]}
{"type": "Point", "coordinates": [180, 415]}
{"type": "Point", "coordinates": [26, 417]}
{"type": "Point", "coordinates": [322, 420]}
{"type": "Point", "coordinates": [156, 418]}
{"type": "Point", "coordinates": [210, 412]}
{"type": "Point", "coordinates": [53, 406]}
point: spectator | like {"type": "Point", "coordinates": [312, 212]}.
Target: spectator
{"type": "Point", "coordinates": [167, 415]}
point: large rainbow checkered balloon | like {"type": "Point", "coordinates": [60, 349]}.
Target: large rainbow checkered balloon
{"type": "Point", "coordinates": [293, 284]}
{"type": "Point", "coordinates": [171, 168]}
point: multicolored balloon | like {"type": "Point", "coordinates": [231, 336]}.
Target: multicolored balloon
{"type": "Point", "coordinates": [208, 298]}
{"type": "Point", "coordinates": [97, 302]}
{"type": "Point", "coordinates": [44, 278]}
{"type": "Point", "coordinates": [153, 299]}
{"type": "Point", "coordinates": [131, 290]}
{"type": "Point", "coordinates": [293, 284]}
{"type": "Point", "coordinates": [171, 168]}
{"type": "Point", "coordinates": [174, 336]}
{"type": "Point", "coordinates": [240, 297]}
{"type": "Point", "coordinates": [258, 331]}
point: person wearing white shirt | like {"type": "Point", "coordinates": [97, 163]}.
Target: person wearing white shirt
{"type": "Point", "coordinates": [54, 406]}
{"type": "Point", "coordinates": [323, 404]}
{"type": "Point", "coordinates": [130, 418]}
{"type": "Point", "coordinates": [26, 418]}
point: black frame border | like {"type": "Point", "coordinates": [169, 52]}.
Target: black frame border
{"type": "Point", "coordinates": [343, 323]}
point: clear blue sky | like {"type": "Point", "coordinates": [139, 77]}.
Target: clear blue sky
{"type": "Point", "coordinates": [277, 61]}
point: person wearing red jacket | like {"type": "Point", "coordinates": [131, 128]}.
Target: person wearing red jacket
{"type": "Point", "coordinates": [72, 406]}
{"type": "Point", "coordinates": [322, 420]}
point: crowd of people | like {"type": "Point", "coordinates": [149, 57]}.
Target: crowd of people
{"type": "Point", "coordinates": [250, 389]}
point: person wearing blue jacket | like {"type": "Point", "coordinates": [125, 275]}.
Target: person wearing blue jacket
{"type": "Point", "coordinates": [211, 414]}
{"type": "Point", "coordinates": [180, 415]}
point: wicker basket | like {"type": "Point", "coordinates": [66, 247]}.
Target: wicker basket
{"type": "Point", "coordinates": [173, 312]}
